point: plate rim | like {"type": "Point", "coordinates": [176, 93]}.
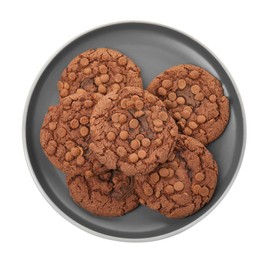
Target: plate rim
{"type": "Point", "coordinates": [99, 234]}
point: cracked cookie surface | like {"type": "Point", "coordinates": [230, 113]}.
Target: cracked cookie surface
{"type": "Point", "coordinates": [131, 131]}
{"type": "Point", "coordinates": [99, 70]}
{"type": "Point", "coordinates": [184, 184]}
{"type": "Point", "coordinates": [195, 99]}
{"type": "Point", "coordinates": [65, 134]}
{"type": "Point", "coordinates": [110, 194]}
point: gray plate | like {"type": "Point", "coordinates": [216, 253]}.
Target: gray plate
{"type": "Point", "coordinates": [154, 48]}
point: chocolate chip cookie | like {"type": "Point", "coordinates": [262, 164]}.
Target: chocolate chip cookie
{"type": "Point", "coordinates": [110, 194]}
{"type": "Point", "coordinates": [99, 70]}
{"type": "Point", "coordinates": [65, 134]}
{"type": "Point", "coordinates": [131, 131]}
{"type": "Point", "coordinates": [195, 99]}
{"type": "Point", "coordinates": [184, 184]}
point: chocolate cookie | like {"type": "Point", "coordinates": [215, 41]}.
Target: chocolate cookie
{"type": "Point", "coordinates": [195, 99]}
{"type": "Point", "coordinates": [65, 134]}
{"type": "Point", "coordinates": [131, 131]}
{"type": "Point", "coordinates": [110, 194]}
{"type": "Point", "coordinates": [184, 184]}
{"type": "Point", "coordinates": [99, 70]}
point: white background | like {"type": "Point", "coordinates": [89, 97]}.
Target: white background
{"type": "Point", "coordinates": [31, 31]}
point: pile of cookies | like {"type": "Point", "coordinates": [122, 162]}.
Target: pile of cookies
{"type": "Point", "coordinates": [120, 145]}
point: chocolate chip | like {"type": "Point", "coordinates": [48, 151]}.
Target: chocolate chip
{"type": "Point", "coordinates": [172, 96]}
{"type": "Point", "coordinates": [162, 91]}
{"type": "Point", "coordinates": [154, 177]}
{"type": "Point", "coordinates": [199, 176]}
{"type": "Point", "coordinates": [103, 69]}
{"type": "Point", "coordinates": [64, 93]}
{"type": "Point", "coordinates": [84, 120]}
{"type": "Point", "coordinates": [186, 114]}
{"type": "Point", "coordinates": [181, 83]}
{"type": "Point", "coordinates": [121, 151]}
{"type": "Point", "coordinates": [201, 119]}
{"type": "Point", "coordinates": [124, 135]}
{"type": "Point", "coordinates": [169, 189]}
{"type": "Point", "coordinates": [122, 119]}
{"type": "Point", "coordinates": [164, 172]}
{"type": "Point", "coordinates": [61, 132]}
{"type": "Point", "coordinates": [193, 125]}
{"type": "Point", "coordinates": [163, 116]}
{"type": "Point", "coordinates": [141, 154]}
{"type": "Point", "coordinates": [140, 137]}
{"type": "Point", "coordinates": [204, 191]}
{"type": "Point", "coordinates": [199, 96]}
{"type": "Point", "coordinates": [194, 74]}
{"type": "Point", "coordinates": [158, 122]}
{"type": "Point", "coordinates": [51, 150]}
{"type": "Point", "coordinates": [178, 186]}
{"type": "Point", "coordinates": [195, 89]}
{"type": "Point", "coordinates": [111, 136]}
{"type": "Point", "coordinates": [187, 131]}
{"type": "Point", "coordinates": [118, 78]}
{"type": "Point", "coordinates": [180, 101]}
{"type": "Point", "coordinates": [84, 62]}
{"type": "Point", "coordinates": [102, 89]}
{"type": "Point", "coordinates": [133, 123]}
{"type": "Point", "coordinates": [104, 78]}
{"type": "Point", "coordinates": [139, 105]}
{"type": "Point", "coordinates": [146, 142]}
{"type": "Point", "coordinates": [139, 113]}
{"type": "Point", "coordinates": [84, 131]}
{"type": "Point", "coordinates": [68, 156]}
{"type": "Point", "coordinates": [148, 189]}
{"type": "Point", "coordinates": [166, 83]}
{"type": "Point", "coordinates": [75, 151]}
{"type": "Point", "coordinates": [115, 118]}
{"type": "Point", "coordinates": [72, 76]}
{"type": "Point", "coordinates": [133, 158]}
{"type": "Point", "coordinates": [135, 144]}
{"type": "Point", "coordinates": [80, 160]}
{"type": "Point", "coordinates": [212, 98]}
{"type": "Point", "coordinates": [177, 115]}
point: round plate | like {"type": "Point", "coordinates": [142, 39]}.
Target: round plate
{"type": "Point", "coordinates": [154, 48]}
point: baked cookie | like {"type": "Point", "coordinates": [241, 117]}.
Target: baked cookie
{"type": "Point", "coordinates": [65, 134]}
{"type": "Point", "coordinates": [131, 131]}
{"type": "Point", "coordinates": [110, 194]}
{"type": "Point", "coordinates": [99, 70]}
{"type": "Point", "coordinates": [195, 99]}
{"type": "Point", "coordinates": [184, 184]}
